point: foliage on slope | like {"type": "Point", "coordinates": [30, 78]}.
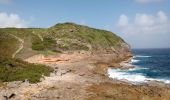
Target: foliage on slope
{"type": "Point", "coordinates": [18, 70]}
{"type": "Point", "coordinates": [70, 34]}
{"type": "Point", "coordinates": [8, 45]}
{"type": "Point", "coordinates": [56, 39]}
{"type": "Point", "coordinates": [12, 69]}
{"type": "Point", "coordinates": [62, 37]}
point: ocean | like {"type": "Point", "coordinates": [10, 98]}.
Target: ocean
{"type": "Point", "coordinates": [150, 65]}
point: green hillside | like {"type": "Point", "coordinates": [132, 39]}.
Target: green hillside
{"type": "Point", "coordinates": [59, 38]}
{"type": "Point", "coordinates": [21, 43]}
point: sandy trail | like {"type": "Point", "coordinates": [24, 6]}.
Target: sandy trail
{"type": "Point", "coordinates": [20, 46]}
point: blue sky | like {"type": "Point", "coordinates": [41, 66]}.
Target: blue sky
{"type": "Point", "coordinates": [142, 23]}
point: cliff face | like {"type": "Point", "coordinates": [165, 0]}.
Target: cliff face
{"type": "Point", "coordinates": [66, 37]}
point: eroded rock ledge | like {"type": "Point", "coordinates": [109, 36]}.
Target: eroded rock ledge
{"type": "Point", "coordinates": [82, 76]}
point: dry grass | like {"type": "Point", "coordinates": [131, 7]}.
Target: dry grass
{"type": "Point", "coordinates": [118, 91]}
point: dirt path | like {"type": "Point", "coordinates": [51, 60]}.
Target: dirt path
{"type": "Point", "coordinates": [20, 46]}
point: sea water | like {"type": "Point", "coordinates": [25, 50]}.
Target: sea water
{"type": "Point", "coordinates": [150, 65]}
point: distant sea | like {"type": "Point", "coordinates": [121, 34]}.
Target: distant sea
{"type": "Point", "coordinates": [150, 64]}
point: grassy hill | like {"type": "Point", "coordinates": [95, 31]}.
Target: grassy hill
{"type": "Point", "coordinates": [59, 38]}
{"type": "Point", "coordinates": [21, 43]}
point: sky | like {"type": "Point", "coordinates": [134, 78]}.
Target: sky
{"type": "Point", "coordinates": [141, 23]}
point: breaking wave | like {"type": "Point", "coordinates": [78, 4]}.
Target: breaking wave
{"type": "Point", "coordinates": [141, 56]}
{"type": "Point", "coordinates": [134, 61]}
{"type": "Point", "coordinates": [132, 77]}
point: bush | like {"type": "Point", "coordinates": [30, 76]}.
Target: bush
{"type": "Point", "coordinates": [17, 70]}
{"type": "Point", "coordinates": [46, 44]}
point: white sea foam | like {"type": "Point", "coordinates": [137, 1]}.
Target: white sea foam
{"type": "Point", "coordinates": [134, 61]}
{"type": "Point", "coordinates": [167, 81]}
{"type": "Point", "coordinates": [123, 75]}
{"type": "Point", "coordinates": [137, 68]}
{"type": "Point", "coordinates": [134, 78]}
{"type": "Point", "coordinates": [141, 56]}
{"type": "Point", "coordinates": [127, 74]}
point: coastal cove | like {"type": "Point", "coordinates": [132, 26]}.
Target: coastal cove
{"type": "Point", "coordinates": [84, 49]}
{"type": "Point", "coordinates": [76, 60]}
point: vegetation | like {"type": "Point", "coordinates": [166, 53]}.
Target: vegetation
{"type": "Point", "coordinates": [60, 37]}
{"type": "Point", "coordinates": [18, 70]}
{"type": "Point", "coordinates": [70, 33]}
{"type": "Point", "coordinates": [46, 43]}
{"type": "Point", "coordinates": [8, 45]}
{"type": "Point", "coordinates": [56, 39]}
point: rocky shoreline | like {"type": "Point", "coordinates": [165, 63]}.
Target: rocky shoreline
{"type": "Point", "coordinates": [82, 76]}
{"type": "Point", "coordinates": [125, 65]}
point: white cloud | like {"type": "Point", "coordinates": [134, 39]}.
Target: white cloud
{"type": "Point", "coordinates": [145, 28]}
{"type": "Point", "coordinates": [144, 23]}
{"type": "Point", "coordinates": [123, 21]}
{"type": "Point", "coordinates": [148, 1]}
{"type": "Point", "coordinates": [11, 20]}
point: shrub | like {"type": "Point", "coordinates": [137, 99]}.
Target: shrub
{"type": "Point", "coordinates": [17, 70]}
